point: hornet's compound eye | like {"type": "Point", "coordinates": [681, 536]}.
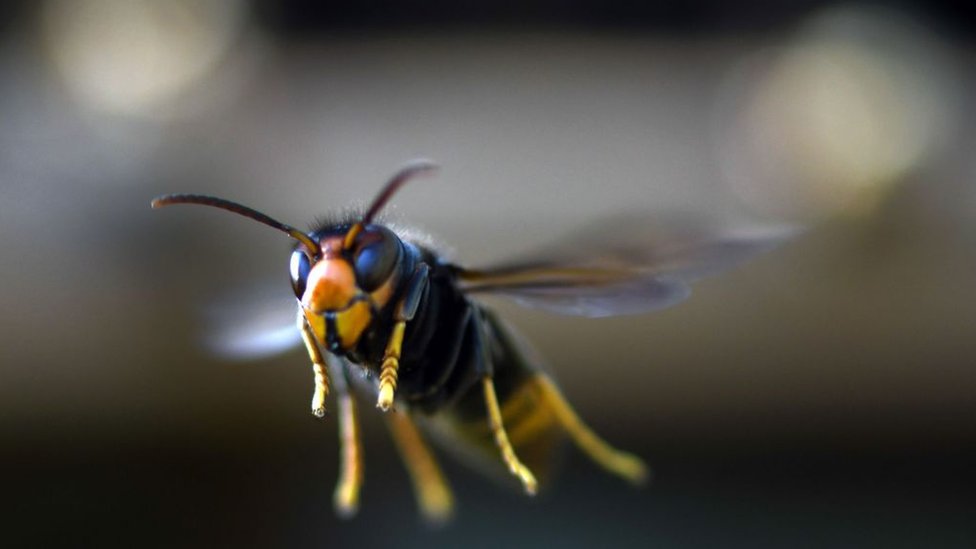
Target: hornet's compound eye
{"type": "Point", "coordinates": [299, 267]}
{"type": "Point", "coordinates": [377, 253]}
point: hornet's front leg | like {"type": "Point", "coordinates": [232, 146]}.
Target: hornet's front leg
{"type": "Point", "coordinates": [404, 313]}
{"type": "Point", "coordinates": [318, 366]}
{"type": "Point", "coordinates": [346, 497]}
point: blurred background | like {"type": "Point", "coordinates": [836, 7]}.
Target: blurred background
{"type": "Point", "coordinates": [823, 395]}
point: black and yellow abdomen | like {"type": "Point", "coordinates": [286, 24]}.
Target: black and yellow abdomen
{"type": "Point", "coordinates": [532, 426]}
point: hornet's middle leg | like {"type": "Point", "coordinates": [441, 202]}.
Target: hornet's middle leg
{"type": "Point", "coordinates": [432, 491]}
{"type": "Point", "coordinates": [346, 496]}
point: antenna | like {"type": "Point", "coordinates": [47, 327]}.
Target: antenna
{"type": "Point", "coordinates": [312, 248]}
{"type": "Point", "coordinates": [410, 171]}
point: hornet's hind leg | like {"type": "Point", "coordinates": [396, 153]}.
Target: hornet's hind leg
{"type": "Point", "coordinates": [501, 439]}
{"type": "Point", "coordinates": [481, 332]}
{"type": "Point", "coordinates": [523, 365]}
{"type": "Point", "coordinates": [620, 463]}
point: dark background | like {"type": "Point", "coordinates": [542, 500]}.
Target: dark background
{"type": "Point", "coordinates": [824, 395]}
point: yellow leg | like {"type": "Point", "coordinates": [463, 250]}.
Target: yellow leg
{"type": "Point", "coordinates": [501, 440]}
{"type": "Point", "coordinates": [318, 366]}
{"type": "Point", "coordinates": [433, 494]}
{"type": "Point", "coordinates": [391, 363]}
{"type": "Point", "coordinates": [623, 464]}
{"type": "Point", "coordinates": [346, 497]}
{"type": "Point", "coordinates": [405, 310]}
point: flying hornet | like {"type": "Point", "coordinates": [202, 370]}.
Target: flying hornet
{"type": "Point", "coordinates": [385, 316]}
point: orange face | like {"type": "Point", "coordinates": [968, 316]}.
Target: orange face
{"type": "Point", "coordinates": [342, 273]}
{"type": "Point", "coordinates": [343, 289]}
{"type": "Point", "coordinates": [331, 283]}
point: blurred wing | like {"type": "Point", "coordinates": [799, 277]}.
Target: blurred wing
{"type": "Point", "coordinates": [251, 324]}
{"type": "Point", "coordinates": [623, 280]}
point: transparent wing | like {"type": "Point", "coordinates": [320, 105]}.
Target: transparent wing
{"type": "Point", "coordinates": [622, 279]}
{"type": "Point", "coordinates": [251, 324]}
{"type": "Point", "coordinates": [636, 296]}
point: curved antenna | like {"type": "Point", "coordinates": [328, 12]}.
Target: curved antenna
{"type": "Point", "coordinates": [205, 200]}
{"type": "Point", "coordinates": [410, 171]}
